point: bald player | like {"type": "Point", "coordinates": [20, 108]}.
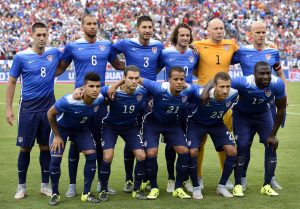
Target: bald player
{"type": "Point", "coordinates": [215, 55]}
{"type": "Point", "coordinates": [247, 57]}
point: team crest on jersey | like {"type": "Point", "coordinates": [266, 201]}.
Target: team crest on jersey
{"type": "Point", "coordinates": [191, 58]}
{"type": "Point", "coordinates": [20, 139]}
{"type": "Point", "coordinates": [184, 99]}
{"type": "Point", "coordinates": [226, 47]}
{"type": "Point", "coordinates": [228, 104]}
{"type": "Point", "coordinates": [50, 58]}
{"type": "Point", "coordinates": [268, 93]}
{"type": "Point", "coordinates": [268, 56]}
{"type": "Point", "coordinates": [139, 97]}
{"type": "Point", "coordinates": [154, 50]}
{"type": "Point", "coordinates": [102, 48]}
{"type": "Point", "coordinates": [96, 108]}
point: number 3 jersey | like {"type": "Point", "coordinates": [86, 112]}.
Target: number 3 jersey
{"type": "Point", "coordinates": [37, 72]}
{"type": "Point", "coordinates": [253, 99]}
{"type": "Point", "coordinates": [75, 113]}
{"type": "Point", "coordinates": [214, 110]}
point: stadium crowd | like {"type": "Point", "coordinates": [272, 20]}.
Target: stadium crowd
{"type": "Point", "coordinates": [117, 20]}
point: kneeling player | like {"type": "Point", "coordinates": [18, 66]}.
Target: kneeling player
{"type": "Point", "coordinates": [72, 123]}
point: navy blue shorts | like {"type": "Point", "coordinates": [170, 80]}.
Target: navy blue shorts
{"type": "Point", "coordinates": [95, 122]}
{"type": "Point", "coordinates": [31, 126]}
{"type": "Point", "coordinates": [152, 129]}
{"type": "Point", "coordinates": [219, 134]}
{"type": "Point", "coordinates": [82, 137]}
{"type": "Point", "coordinates": [245, 125]}
{"type": "Point", "coordinates": [130, 134]}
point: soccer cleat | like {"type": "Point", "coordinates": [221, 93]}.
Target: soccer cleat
{"type": "Point", "coordinates": [21, 192]}
{"type": "Point", "coordinates": [179, 192]}
{"type": "Point", "coordinates": [267, 190]}
{"type": "Point", "coordinates": [146, 186]}
{"type": "Point", "coordinates": [200, 180]}
{"type": "Point", "coordinates": [222, 190]}
{"type": "Point", "coordinates": [103, 196]}
{"type": "Point", "coordinates": [197, 193]}
{"type": "Point", "coordinates": [46, 190]}
{"type": "Point", "coordinates": [71, 191]}
{"type": "Point", "coordinates": [244, 183]}
{"type": "Point", "coordinates": [229, 184]}
{"type": "Point", "coordinates": [128, 186]}
{"type": "Point", "coordinates": [238, 191]}
{"type": "Point", "coordinates": [274, 184]}
{"type": "Point", "coordinates": [170, 186]}
{"type": "Point", "coordinates": [110, 190]}
{"type": "Point", "coordinates": [153, 194]}
{"type": "Point", "coordinates": [54, 200]}
{"type": "Point", "coordinates": [89, 198]}
{"type": "Point", "coordinates": [139, 195]}
{"type": "Point", "coordinates": [188, 186]}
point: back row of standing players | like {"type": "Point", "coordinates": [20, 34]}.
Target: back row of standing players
{"type": "Point", "coordinates": [39, 65]}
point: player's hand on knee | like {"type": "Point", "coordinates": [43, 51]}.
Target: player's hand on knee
{"type": "Point", "coordinates": [272, 141]}
{"type": "Point", "coordinates": [57, 144]}
{"type": "Point", "coordinates": [10, 117]}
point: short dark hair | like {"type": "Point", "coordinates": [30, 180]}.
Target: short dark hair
{"type": "Point", "coordinates": [38, 25]}
{"type": "Point", "coordinates": [259, 64]}
{"type": "Point", "coordinates": [86, 15]}
{"type": "Point", "coordinates": [175, 69]}
{"type": "Point", "coordinates": [132, 68]}
{"type": "Point", "coordinates": [142, 19]}
{"type": "Point", "coordinates": [91, 77]}
{"type": "Point", "coordinates": [174, 35]}
{"type": "Point", "coordinates": [221, 76]}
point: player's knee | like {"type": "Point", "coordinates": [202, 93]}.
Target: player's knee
{"type": "Point", "coordinates": [231, 151]}
{"type": "Point", "coordinates": [44, 147]}
{"type": "Point", "coordinates": [151, 152]}
{"type": "Point", "coordinates": [91, 156]}
{"type": "Point", "coordinates": [140, 155]}
{"type": "Point", "coordinates": [193, 152]}
{"type": "Point", "coordinates": [108, 156]}
{"type": "Point", "coordinates": [25, 149]}
{"type": "Point", "coordinates": [181, 150]}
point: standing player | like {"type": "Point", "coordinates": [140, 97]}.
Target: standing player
{"type": "Point", "coordinates": [252, 113]}
{"type": "Point", "coordinates": [72, 123]}
{"type": "Point", "coordinates": [247, 57]}
{"type": "Point", "coordinates": [179, 55]}
{"type": "Point", "coordinates": [215, 56]}
{"type": "Point", "coordinates": [36, 66]}
{"type": "Point", "coordinates": [122, 121]}
{"type": "Point", "coordinates": [142, 52]}
{"type": "Point", "coordinates": [168, 100]}
{"type": "Point", "coordinates": [88, 55]}
{"type": "Point", "coordinates": [208, 119]}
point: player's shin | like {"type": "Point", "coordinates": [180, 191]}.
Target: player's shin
{"type": "Point", "coordinates": [73, 159]}
{"type": "Point", "coordinates": [128, 163]}
{"type": "Point", "coordinates": [181, 169]}
{"type": "Point", "coordinates": [45, 159]}
{"type": "Point", "coordinates": [55, 172]}
{"type": "Point", "coordinates": [105, 173]}
{"type": "Point", "coordinates": [151, 169]}
{"type": "Point", "coordinates": [239, 169]}
{"type": "Point", "coordinates": [170, 156]}
{"type": "Point", "coordinates": [193, 171]}
{"type": "Point", "coordinates": [89, 171]}
{"type": "Point", "coordinates": [270, 163]}
{"type": "Point", "coordinates": [229, 165]}
{"type": "Point", "coordinates": [23, 163]}
{"type": "Point", "coordinates": [139, 174]}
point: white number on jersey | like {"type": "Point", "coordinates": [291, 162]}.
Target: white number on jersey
{"type": "Point", "coordinates": [216, 114]}
{"type": "Point", "coordinates": [83, 119]}
{"type": "Point", "coordinates": [43, 72]}
{"type": "Point", "coordinates": [94, 60]}
{"type": "Point", "coordinates": [186, 70]}
{"type": "Point", "coordinates": [257, 101]}
{"type": "Point", "coordinates": [146, 61]}
{"type": "Point", "coordinates": [173, 109]}
{"type": "Point", "coordinates": [129, 109]}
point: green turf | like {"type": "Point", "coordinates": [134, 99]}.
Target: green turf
{"type": "Point", "coordinates": [287, 172]}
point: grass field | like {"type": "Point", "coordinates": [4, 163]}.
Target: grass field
{"type": "Point", "coordinates": [288, 171]}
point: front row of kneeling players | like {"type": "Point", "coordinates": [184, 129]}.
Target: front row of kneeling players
{"type": "Point", "coordinates": [126, 98]}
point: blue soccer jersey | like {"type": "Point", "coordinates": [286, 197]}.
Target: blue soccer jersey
{"type": "Point", "coordinates": [166, 107]}
{"type": "Point", "coordinates": [88, 57]}
{"type": "Point", "coordinates": [253, 99]}
{"type": "Point", "coordinates": [125, 107]}
{"type": "Point", "coordinates": [248, 56]}
{"type": "Point", "coordinates": [37, 73]}
{"type": "Point", "coordinates": [75, 113]}
{"type": "Point", "coordinates": [144, 57]}
{"type": "Point", "coordinates": [214, 110]}
{"type": "Point", "coordinates": [171, 57]}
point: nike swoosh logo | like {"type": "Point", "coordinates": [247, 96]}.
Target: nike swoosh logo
{"type": "Point", "coordinates": [273, 161]}
{"type": "Point", "coordinates": [165, 99]}
{"type": "Point", "coordinates": [78, 112]}
{"type": "Point", "coordinates": [249, 55]}
{"type": "Point", "coordinates": [240, 164]}
{"type": "Point", "coordinates": [133, 49]}
{"type": "Point", "coordinates": [72, 159]}
{"type": "Point", "coordinates": [31, 61]}
{"type": "Point", "coordinates": [21, 171]}
{"type": "Point", "coordinates": [103, 172]}
{"type": "Point", "coordinates": [46, 171]}
{"type": "Point", "coordinates": [140, 174]}
{"type": "Point", "coordinates": [93, 169]}
{"type": "Point", "coordinates": [80, 49]}
{"type": "Point", "coordinates": [171, 60]}
{"type": "Point", "coordinates": [53, 173]}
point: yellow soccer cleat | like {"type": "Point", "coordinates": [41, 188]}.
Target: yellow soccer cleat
{"type": "Point", "coordinates": [181, 194]}
{"type": "Point", "coordinates": [267, 190]}
{"type": "Point", "coordinates": [238, 191]}
{"type": "Point", "coordinates": [154, 193]}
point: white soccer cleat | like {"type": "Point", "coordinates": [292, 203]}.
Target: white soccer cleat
{"type": "Point", "coordinates": [21, 192]}
{"type": "Point", "coordinates": [229, 184]}
{"type": "Point", "coordinates": [197, 194]}
{"type": "Point", "coordinates": [46, 190]}
{"type": "Point", "coordinates": [71, 191]}
{"type": "Point", "coordinates": [222, 190]}
{"type": "Point", "coordinates": [200, 180]}
{"type": "Point", "coordinates": [170, 186]}
{"type": "Point", "coordinates": [188, 186]}
{"type": "Point", "coordinates": [274, 184]}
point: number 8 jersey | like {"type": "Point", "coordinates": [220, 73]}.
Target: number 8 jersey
{"type": "Point", "coordinates": [37, 72]}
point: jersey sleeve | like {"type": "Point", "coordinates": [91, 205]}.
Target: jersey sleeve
{"type": "Point", "coordinates": [152, 86]}
{"type": "Point", "coordinates": [67, 55]}
{"type": "Point", "coordinates": [160, 61]}
{"type": "Point", "coordinates": [279, 89]}
{"type": "Point", "coordinates": [277, 65]}
{"type": "Point", "coordinates": [238, 82]}
{"type": "Point", "coordinates": [104, 90]}
{"type": "Point", "coordinates": [61, 105]}
{"type": "Point", "coordinates": [235, 58]}
{"type": "Point", "coordinates": [16, 67]}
